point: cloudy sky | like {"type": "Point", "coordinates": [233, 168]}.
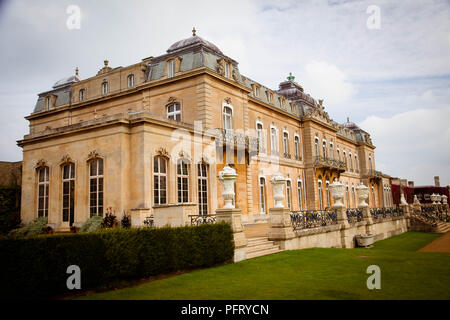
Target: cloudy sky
{"type": "Point", "coordinates": [393, 81]}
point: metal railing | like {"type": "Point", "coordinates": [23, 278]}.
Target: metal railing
{"type": "Point", "coordinates": [385, 213]}
{"type": "Point", "coordinates": [354, 215]}
{"type": "Point", "coordinates": [332, 163]}
{"type": "Point", "coordinates": [200, 219]}
{"type": "Point", "coordinates": [237, 139]}
{"type": "Point", "coordinates": [430, 213]}
{"type": "Point", "coordinates": [305, 219]}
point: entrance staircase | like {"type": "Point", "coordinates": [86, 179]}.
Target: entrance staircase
{"type": "Point", "coordinates": [442, 227]}
{"type": "Point", "coordinates": [261, 246]}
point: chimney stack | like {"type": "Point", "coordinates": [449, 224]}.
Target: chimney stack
{"type": "Point", "coordinates": [436, 181]}
{"type": "Point", "coordinates": [411, 184]}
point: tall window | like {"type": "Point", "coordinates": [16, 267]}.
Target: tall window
{"type": "Point", "coordinates": [286, 143]}
{"type": "Point", "coordinates": [160, 180]}
{"type": "Point", "coordinates": [331, 151]}
{"type": "Point", "coordinates": [259, 130]}
{"type": "Point", "coordinates": [354, 197]}
{"type": "Point", "coordinates": [324, 148]}
{"type": "Point", "coordinates": [96, 187]}
{"type": "Point", "coordinates": [227, 118]}
{"type": "Point", "coordinates": [288, 194]}
{"type": "Point", "coordinates": [48, 102]}
{"type": "Point", "coordinates": [262, 195]}
{"type": "Point", "coordinates": [347, 198]}
{"type": "Point", "coordinates": [356, 163]}
{"type": "Point", "coordinates": [171, 68]}
{"type": "Point", "coordinates": [370, 164]}
{"type": "Point", "coordinates": [68, 187]}
{"type": "Point", "coordinates": [43, 184]}
{"type": "Point", "coordinates": [299, 194]}
{"type": "Point", "coordinates": [105, 87]}
{"type": "Point", "coordinates": [227, 69]}
{"type": "Point", "coordinates": [256, 90]}
{"type": "Point", "coordinates": [319, 183]}
{"type": "Point", "coordinates": [350, 161]}
{"type": "Point", "coordinates": [130, 81]}
{"type": "Point", "coordinates": [82, 94]}
{"type": "Point", "coordinates": [316, 146]}
{"type": "Point", "coordinates": [344, 157]}
{"type": "Point", "coordinates": [202, 174]}
{"type": "Point", "coordinates": [338, 153]}
{"type": "Point", "coordinates": [297, 147]}
{"type": "Point", "coordinates": [373, 197]}
{"type": "Point", "coordinates": [174, 111]}
{"type": "Point", "coordinates": [182, 181]}
{"type": "Point", "coordinates": [273, 141]}
{"type": "Point", "coordinates": [327, 189]}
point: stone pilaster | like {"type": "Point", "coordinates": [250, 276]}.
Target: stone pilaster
{"type": "Point", "coordinates": [280, 226]}
{"type": "Point", "coordinates": [233, 216]}
{"type": "Point", "coordinates": [343, 222]}
{"type": "Point", "coordinates": [407, 214]}
{"type": "Point", "coordinates": [368, 218]}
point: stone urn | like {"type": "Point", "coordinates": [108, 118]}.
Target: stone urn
{"type": "Point", "coordinates": [363, 194]}
{"type": "Point", "coordinates": [438, 198]}
{"type": "Point", "coordinates": [416, 201]}
{"type": "Point", "coordinates": [434, 198]}
{"type": "Point", "coordinates": [337, 191]}
{"type": "Point", "coordinates": [278, 182]}
{"type": "Point", "coordinates": [444, 199]}
{"type": "Point", "coordinates": [227, 177]}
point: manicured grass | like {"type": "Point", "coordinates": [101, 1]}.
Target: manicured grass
{"type": "Point", "coordinates": [312, 274]}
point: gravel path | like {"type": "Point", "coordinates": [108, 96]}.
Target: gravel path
{"type": "Point", "coordinates": [441, 244]}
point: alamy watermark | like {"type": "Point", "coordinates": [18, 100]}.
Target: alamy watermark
{"type": "Point", "coordinates": [374, 20]}
{"type": "Point", "coordinates": [374, 281]}
{"type": "Point", "coordinates": [74, 280]}
{"type": "Point", "coordinates": [74, 19]}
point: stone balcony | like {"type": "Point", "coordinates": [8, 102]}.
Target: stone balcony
{"type": "Point", "coordinates": [237, 140]}
{"type": "Point", "coordinates": [373, 175]}
{"type": "Point", "coordinates": [331, 164]}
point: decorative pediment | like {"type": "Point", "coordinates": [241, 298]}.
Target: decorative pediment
{"type": "Point", "coordinates": [171, 99]}
{"type": "Point", "coordinates": [66, 159]}
{"type": "Point", "coordinates": [41, 163]}
{"type": "Point", "coordinates": [228, 100]}
{"type": "Point", "coordinates": [162, 152]}
{"type": "Point", "coordinates": [93, 155]}
{"type": "Point", "coordinates": [319, 114]}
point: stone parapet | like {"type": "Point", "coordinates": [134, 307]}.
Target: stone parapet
{"type": "Point", "coordinates": [280, 224]}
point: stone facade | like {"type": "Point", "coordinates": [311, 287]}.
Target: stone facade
{"type": "Point", "coordinates": [190, 104]}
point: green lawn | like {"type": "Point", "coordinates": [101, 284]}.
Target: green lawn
{"type": "Point", "coordinates": [312, 274]}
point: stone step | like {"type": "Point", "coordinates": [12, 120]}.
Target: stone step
{"type": "Point", "coordinates": [259, 242]}
{"type": "Point", "coordinates": [263, 252]}
{"type": "Point", "coordinates": [250, 240]}
{"type": "Point", "coordinates": [261, 247]}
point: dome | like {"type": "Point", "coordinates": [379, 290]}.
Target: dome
{"type": "Point", "coordinates": [350, 125]}
{"type": "Point", "coordinates": [66, 81]}
{"type": "Point", "coordinates": [192, 41]}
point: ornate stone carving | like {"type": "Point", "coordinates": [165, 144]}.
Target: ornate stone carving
{"type": "Point", "coordinates": [278, 182]}
{"type": "Point", "coordinates": [93, 154]}
{"type": "Point", "coordinates": [184, 155]}
{"type": "Point", "coordinates": [162, 152]}
{"type": "Point", "coordinates": [66, 159]}
{"type": "Point", "coordinates": [227, 177]}
{"type": "Point", "coordinates": [234, 75]}
{"type": "Point", "coordinates": [171, 99]}
{"type": "Point", "coordinates": [337, 190]}
{"type": "Point", "coordinates": [228, 100]}
{"type": "Point", "coordinates": [41, 163]}
{"type": "Point", "coordinates": [363, 194]}
{"type": "Point", "coordinates": [402, 198]}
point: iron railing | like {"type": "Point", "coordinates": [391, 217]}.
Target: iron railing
{"type": "Point", "coordinates": [354, 215]}
{"type": "Point", "coordinates": [332, 163]}
{"type": "Point", "coordinates": [430, 213]}
{"type": "Point", "coordinates": [305, 219]}
{"type": "Point", "coordinates": [385, 213]}
{"type": "Point", "coordinates": [200, 219]}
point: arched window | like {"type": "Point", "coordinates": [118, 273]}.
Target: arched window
{"type": "Point", "coordinates": [68, 196]}
{"type": "Point", "coordinates": [174, 111]}
{"type": "Point", "coordinates": [96, 187]}
{"type": "Point", "coordinates": [319, 184]}
{"type": "Point", "coordinates": [299, 194]}
{"type": "Point", "coordinates": [202, 174]}
{"type": "Point", "coordinates": [344, 157]}
{"type": "Point", "coordinates": [297, 147]}
{"type": "Point", "coordinates": [259, 131]}
{"type": "Point", "coordinates": [286, 144]}
{"type": "Point", "coordinates": [373, 197]}
{"type": "Point", "coordinates": [370, 164]}
{"type": "Point", "coordinates": [227, 118]}
{"type": "Point", "coordinates": [226, 69]}
{"type": "Point", "coordinates": [324, 148]}
{"type": "Point", "coordinates": [171, 68]}
{"type": "Point", "coordinates": [273, 141]}
{"type": "Point", "coordinates": [354, 197]}
{"type": "Point", "coordinates": [82, 94]}
{"type": "Point", "coordinates": [105, 87]}
{"type": "Point", "coordinates": [160, 180]}
{"type": "Point", "coordinates": [356, 164]}
{"type": "Point", "coordinates": [327, 189]}
{"type": "Point", "coordinates": [43, 186]}
{"type": "Point", "coordinates": [130, 81]}
{"type": "Point", "coordinates": [48, 102]}
{"type": "Point", "coordinates": [350, 161]}
{"type": "Point", "coordinates": [182, 181]}
{"type": "Point", "coordinates": [331, 151]}
{"type": "Point", "coordinates": [338, 153]}
{"type": "Point", "coordinates": [316, 146]}
{"type": "Point", "coordinates": [347, 198]}
{"type": "Point", "coordinates": [262, 195]}
{"type": "Point", "coordinates": [289, 194]}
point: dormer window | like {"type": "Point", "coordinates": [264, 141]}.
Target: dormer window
{"type": "Point", "coordinates": [171, 68]}
{"type": "Point", "coordinates": [131, 81]}
{"type": "Point", "coordinates": [270, 97]}
{"type": "Point", "coordinates": [48, 102]}
{"type": "Point", "coordinates": [105, 87]}
{"type": "Point", "coordinates": [82, 94]}
{"type": "Point", "coordinates": [226, 67]}
{"type": "Point", "coordinates": [256, 91]}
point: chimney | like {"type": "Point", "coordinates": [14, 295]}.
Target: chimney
{"type": "Point", "coordinates": [411, 184]}
{"type": "Point", "coordinates": [436, 181]}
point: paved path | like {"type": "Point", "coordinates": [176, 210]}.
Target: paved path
{"type": "Point", "coordinates": [256, 230]}
{"type": "Point", "coordinates": [441, 244]}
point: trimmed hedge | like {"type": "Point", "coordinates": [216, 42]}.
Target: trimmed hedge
{"type": "Point", "coordinates": [36, 267]}
{"type": "Point", "coordinates": [9, 209]}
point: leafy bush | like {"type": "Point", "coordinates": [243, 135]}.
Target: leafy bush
{"type": "Point", "coordinates": [36, 267]}
{"type": "Point", "coordinates": [9, 209]}
{"type": "Point", "coordinates": [34, 228]}
{"type": "Point", "coordinates": [126, 221]}
{"type": "Point", "coordinates": [92, 225]}
{"type": "Point", "coordinates": [110, 220]}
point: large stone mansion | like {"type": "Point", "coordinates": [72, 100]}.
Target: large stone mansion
{"type": "Point", "coordinates": [150, 139]}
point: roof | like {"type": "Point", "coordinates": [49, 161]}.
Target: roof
{"type": "Point", "coordinates": [66, 81]}
{"type": "Point", "coordinates": [192, 41]}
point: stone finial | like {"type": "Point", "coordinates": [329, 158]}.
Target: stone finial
{"type": "Point", "coordinates": [76, 71]}
{"type": "Point", "coordinates": [416, 200]}
{"type": "Point", "coordinates": [278, 182]}
{"type": "Point", "coordinates": [290, 77]}
{"type": "Point", "coordinates": [363, 194]}
{"type": "Point", "coordinates": [106, 63]}
{"type": "Point", "coordinates": [227, 177]}
{"type": "Point", "coordinates": [193, 32]}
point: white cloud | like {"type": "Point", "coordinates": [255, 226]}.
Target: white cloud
{"type": "Point", "coordinates": [413, 145]}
